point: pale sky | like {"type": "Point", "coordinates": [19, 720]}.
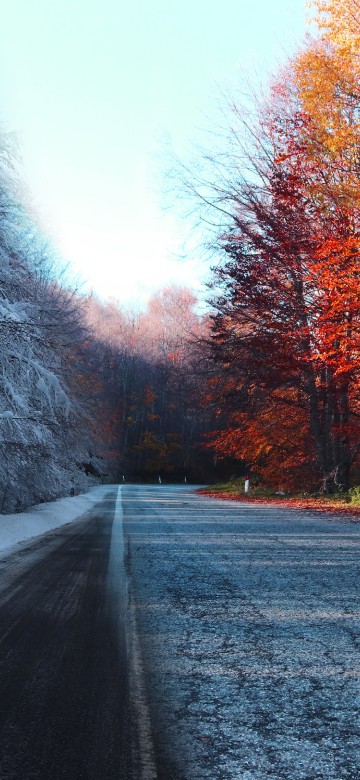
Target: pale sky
{"type": "Point", "coordinates": [92, 87]}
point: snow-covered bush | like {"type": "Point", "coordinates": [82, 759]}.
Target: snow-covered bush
{"type": "Point", "coordinates": [43, 431]}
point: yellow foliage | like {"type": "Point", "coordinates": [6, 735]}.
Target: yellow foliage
{"type": "Point", "coordinates": [339, 21]}
{"type": "Point", "coordinates": [323, 82]}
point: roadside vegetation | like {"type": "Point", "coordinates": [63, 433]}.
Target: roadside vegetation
{"type": "Point", "coordinates": [283, 190]}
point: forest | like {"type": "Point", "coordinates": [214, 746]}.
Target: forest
{"type": "Point", "coordinates": [266, 379]}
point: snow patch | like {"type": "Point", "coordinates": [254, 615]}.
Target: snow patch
{"type": "Point", "coordinates": [45, 517]}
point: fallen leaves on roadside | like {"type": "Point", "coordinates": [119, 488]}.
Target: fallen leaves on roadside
{"type": "Point", "coordinates": [313, 504]}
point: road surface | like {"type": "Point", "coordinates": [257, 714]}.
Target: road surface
{"type": "Point", "coordinates": [168, 636]}
{"type": "Point", "coordinates": [64, 700]}
{"type": "Point", "coordinates": [250, 632]}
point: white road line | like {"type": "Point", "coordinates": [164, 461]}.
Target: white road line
{"type": "Point", "coordinates": [137, 675]}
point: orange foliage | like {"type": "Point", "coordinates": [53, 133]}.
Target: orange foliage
{"type": "Point", "coordinates": [287, 332]}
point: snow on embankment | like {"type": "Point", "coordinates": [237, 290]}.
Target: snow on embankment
{"type": "Point", "coordinates": [45, 517]}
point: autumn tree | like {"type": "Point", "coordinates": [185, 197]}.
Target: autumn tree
{"type": "Point", "coordinates": [286, 332]}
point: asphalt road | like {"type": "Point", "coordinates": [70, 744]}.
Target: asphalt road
{"type": "Point", "coordinates": [248, 618]}
{"type": "Point", "coordinates": [167, 636]}
{"type": "Point", "coordinates": [65, 710]}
